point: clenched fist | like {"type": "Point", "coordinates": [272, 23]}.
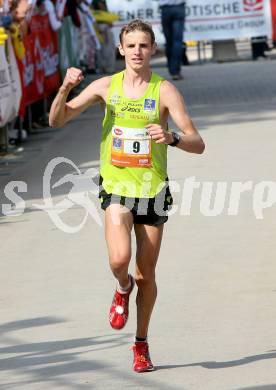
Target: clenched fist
{"type": "Point", "coordinates": [159, 135]}
{"type": "Point", "coordinates": [72, 78]}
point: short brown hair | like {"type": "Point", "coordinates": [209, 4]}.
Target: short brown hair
{"type": "Point", "coordinates": [137, 25]}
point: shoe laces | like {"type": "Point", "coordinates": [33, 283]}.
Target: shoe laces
{"type": "Point", "coordinates": [141, 352]}
{"type": "Point", "coordinates": [120, 299]}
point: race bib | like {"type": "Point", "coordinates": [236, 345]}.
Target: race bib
{"type": "Point", "coordinates": [130, 147]}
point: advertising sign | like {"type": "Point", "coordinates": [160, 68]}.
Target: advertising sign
{"type": "Point", "coordinates": [217, 20]}
{"type": "Point", "coordinates": [128, 10]}
{"type": "Point", "coordinates": [39, 68]}
{"type": "Point", "coordinates": [205, 19]}
{"type": "Point", "coordinates": [6, 94]}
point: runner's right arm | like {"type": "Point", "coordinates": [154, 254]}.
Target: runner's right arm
{"type": "Point", "coordinates": [62, 111]}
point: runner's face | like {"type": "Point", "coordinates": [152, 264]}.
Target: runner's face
{"type": "Point", "coordinates": [137, 49]}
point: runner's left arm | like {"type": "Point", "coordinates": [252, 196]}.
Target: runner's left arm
{"type": "Point", "coordinates": [172, 101]}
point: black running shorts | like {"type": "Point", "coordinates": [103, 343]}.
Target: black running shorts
{"type": "Point", "coordinates": [147, 211]}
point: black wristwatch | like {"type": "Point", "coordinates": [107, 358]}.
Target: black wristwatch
{"type": "Point", "coordinates": [176, 139]}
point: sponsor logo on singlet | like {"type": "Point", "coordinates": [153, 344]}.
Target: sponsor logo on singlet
{"type": "Point", "coordinates": [117, 143]}
{"type": "Point", "coordinates": [115, 98]}
{"type": "Point", "coordinates": [149, 105]}
{"type": "Point", "coordinates": [118, 131]}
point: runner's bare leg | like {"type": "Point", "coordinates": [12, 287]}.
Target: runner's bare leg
{"type": "Point", "coordinates": [148, 239]}
{"type": "Point", "coordinates": [118, 226]}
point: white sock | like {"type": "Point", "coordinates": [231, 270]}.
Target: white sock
{"type": "Point", "coordinates": [124, 290]}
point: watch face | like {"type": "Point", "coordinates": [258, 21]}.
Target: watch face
{"type": "Point", "coordinates": [176, 138]}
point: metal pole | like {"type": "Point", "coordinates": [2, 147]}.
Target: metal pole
{"type": "Point", "coordinates": [20, 127]}
{"type": "Point", "coordinates": [6, 135]}
{"type": "Point", "coordinates": [29, 111]}
{"type": "Point", "coordinates": [45, 106]}
{"type": "Point", "coordinates": [198, 52]}
{"type": "Point", "coordinates": [204, 51]}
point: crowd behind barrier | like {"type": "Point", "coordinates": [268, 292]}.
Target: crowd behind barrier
{"type": "Point", "coordinates": [39, 40]}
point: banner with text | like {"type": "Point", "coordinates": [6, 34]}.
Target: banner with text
{"type": "Point", "coordinates": [39, 68]}
{"type": "Point", "coordinates": [216, 20]}
{"type": "Point", "coordinates": [205, 19]}
{"type": "Point", "coordinates": [128, 10]}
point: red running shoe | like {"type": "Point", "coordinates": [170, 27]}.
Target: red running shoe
{"type": "Point", "coordinates": [141, 359]}
{"type": "Point", "coordinates": [118, 313]}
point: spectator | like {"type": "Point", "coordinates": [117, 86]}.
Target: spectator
{"type": "Point", "coordinates": [90, 39]}
{"type": "Point", "coordinates": [55, 23]}
{"type": "Point", "coordinates": [21, 11]}
{"type": "Point", "coordinates": [259, 46]}
{"type": "Point", "coordinates": [106, 56]}
{"type": "Point", "coordinates": [172, 18]}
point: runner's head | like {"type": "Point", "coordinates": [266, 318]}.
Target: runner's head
{"type": "Point", "coordinates": [137, 44]}
{"type": "Point", "coordinates": [137, 25]}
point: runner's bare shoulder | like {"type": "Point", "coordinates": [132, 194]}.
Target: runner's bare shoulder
{"type": "Point", "coordinates": [98, 88]}
{"type": "Point", "coordinates": [168, 94]}
{"type": "Point", "coordinates": [167, 87]}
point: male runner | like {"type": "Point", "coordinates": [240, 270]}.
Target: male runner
{"type": "Point", "coordinates": [134, 184]}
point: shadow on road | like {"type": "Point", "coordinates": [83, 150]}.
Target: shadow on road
{"type": "Point", "coordinates": [211, 365]}
{"type": "Point", "coordinates": [51, 361]}
{"type": "Point", "coordinates": [261, 387]}
{"type": "Point", "coordinates": [63, 364]}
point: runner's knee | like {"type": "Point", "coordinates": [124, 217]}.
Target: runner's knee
{"type": "Point", "coordinates": [119, 260]}
{"type": "Point", "coordinates": [145, 277]}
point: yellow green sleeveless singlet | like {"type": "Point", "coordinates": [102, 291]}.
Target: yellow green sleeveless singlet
{"type": "Point", "coordinates": [136, 182]}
